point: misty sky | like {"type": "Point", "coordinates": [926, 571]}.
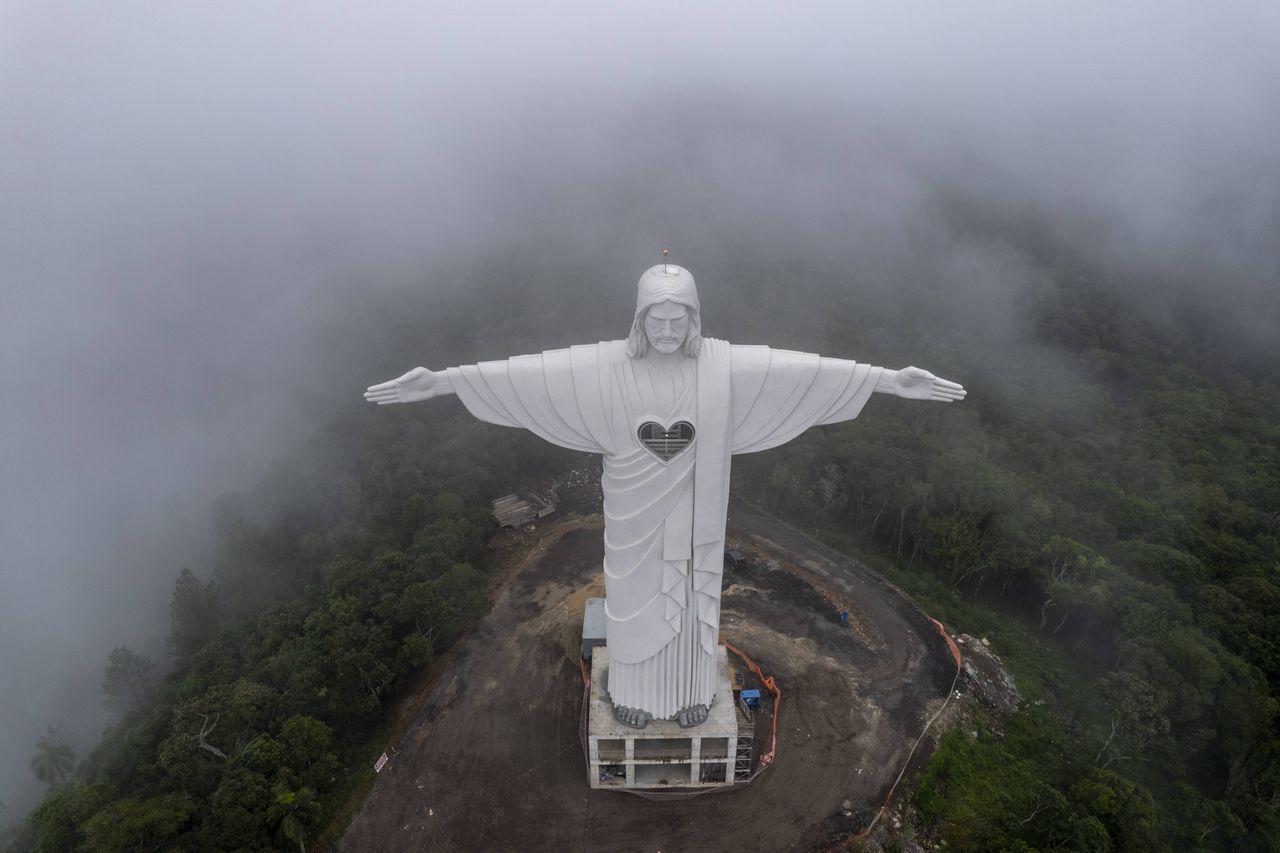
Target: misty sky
{"type": "Point", "coordinates": [200, 205]}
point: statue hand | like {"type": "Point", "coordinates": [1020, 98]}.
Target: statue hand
{"type": "Point", "coordinates": [417, 384]}
{"type": "Point", "coordinates": [915, 383]}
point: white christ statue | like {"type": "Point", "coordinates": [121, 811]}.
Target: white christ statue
{"type": "Point", "coordinates": [667, 408]}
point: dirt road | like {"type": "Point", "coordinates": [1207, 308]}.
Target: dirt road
{"type": "Point", "coordinates": [493, 761]}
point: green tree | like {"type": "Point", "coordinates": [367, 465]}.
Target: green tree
{"type": "Point", "coordinates": [195, 614]}
{"type": "Point", "coordinates": [60, 818]}
{"type": "Point", "coordinates": [1137, 716]}
{"type": "Point", "coordinates": [417, 650]}
{"type": "Point", "coordinates": [212, 729]}
{"type": "Point", "coordinates": [357, 656]}
{"type": "Point", "coordinates": [238, 812]}
{"type": "Point", "coordinates": [1203, 822]}
{"type": "Point", "coordinates": [264, 754]}
{"type": "Point", "coordinates": [294, 814]}
{"type": "Point", "coordinates": [128, 678]}
{"type": "Point", "coordinates": [139, 825]}
{"type": "Point", "coordinates": [962, 547]}
{"type": "Point", "coordinates": [53, 759]}
{"type": "Point", "coordinates": [448, 505]}
{"type": "Point", "coordinates": [1124, 809]}
{"type": "Point", "coordinates": [1072, 575]}
{"type": "Point", "coordinates": [307, 750]}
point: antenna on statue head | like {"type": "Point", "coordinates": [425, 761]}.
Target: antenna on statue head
{"type": "Point", "coordinates": [665, 252]}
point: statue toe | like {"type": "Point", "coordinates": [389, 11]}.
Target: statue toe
{"type": "Point", "coordinates": [692, 716]}
{"type": "Point", "coordinates": [631, 717]}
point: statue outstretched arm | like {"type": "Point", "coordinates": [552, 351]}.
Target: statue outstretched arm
{"type": "Point", "coordinates": [778, 394]}
{"type": "Point", "coordinates": [559, 395]}
{"type": "Point", "coordinates": [915, 383]}
{"type": "Point", "coordinates": [417, 384]}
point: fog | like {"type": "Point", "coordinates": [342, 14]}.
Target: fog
{"type": "Point", "coordinates": [205, 213]}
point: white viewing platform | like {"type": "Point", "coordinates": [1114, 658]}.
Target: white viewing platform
{"type": "Point", "coordinates": [662, 754]}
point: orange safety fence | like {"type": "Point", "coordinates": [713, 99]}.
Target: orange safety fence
{"type": "Point", "coordinates": [942, 629]}
{"type": "Point", "coordinates": [772, 686]}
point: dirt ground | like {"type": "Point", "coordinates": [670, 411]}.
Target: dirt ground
{"type": "Point", "coordinates": [494, 760]}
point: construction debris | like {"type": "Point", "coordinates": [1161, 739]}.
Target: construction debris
{"type": "Point", "coordinates": [517, 511]}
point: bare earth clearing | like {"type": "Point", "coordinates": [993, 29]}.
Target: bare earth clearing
{"type": "Point", "coordinates": [494, 761]}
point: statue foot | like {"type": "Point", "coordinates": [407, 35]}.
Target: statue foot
{"type": "Point", "coordinates": [692, 716]}
{"type": "Point", "coordinates": [632, 717]}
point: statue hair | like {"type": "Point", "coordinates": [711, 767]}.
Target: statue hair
{"type": "Point", "coordinates": [638, 341]}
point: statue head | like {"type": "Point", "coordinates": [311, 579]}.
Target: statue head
{"type": "Point", "coordinates": [666, 292]}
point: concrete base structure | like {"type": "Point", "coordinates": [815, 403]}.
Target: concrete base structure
{"type": "Point", "coordinates": [662, 754]}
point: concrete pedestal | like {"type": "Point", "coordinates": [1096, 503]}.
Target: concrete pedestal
{"type": "Point", "coordinates": [662, 754]}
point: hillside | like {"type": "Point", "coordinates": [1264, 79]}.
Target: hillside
{"type": "Point", "coordinates": [1104, 507]}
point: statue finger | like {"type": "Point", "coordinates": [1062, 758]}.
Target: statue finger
{"type": "Point", "coordinates": [947, 383]}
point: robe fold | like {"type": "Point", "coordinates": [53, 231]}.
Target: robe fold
{"type": "Point", "coordinates": [664, 519]}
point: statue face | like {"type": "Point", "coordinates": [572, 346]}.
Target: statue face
{"type": "Point", "coordinates": [666, 325]}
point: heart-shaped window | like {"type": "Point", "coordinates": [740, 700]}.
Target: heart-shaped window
{"type": "Point", "coordinates": [666, 442]}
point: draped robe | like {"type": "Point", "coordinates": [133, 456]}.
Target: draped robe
{"type": "Point", "coordinates": [664, 519]}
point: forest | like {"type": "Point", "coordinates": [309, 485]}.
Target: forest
{"type": "Point", "coordinates": [1103, 507]}
{"type": "Point", "coordinates": [1116, 539]}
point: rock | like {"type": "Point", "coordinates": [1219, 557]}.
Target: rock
{"type": "Point", "coordinates": [986, 642]}
{"type": "Point", "coordinates": [986, 677]}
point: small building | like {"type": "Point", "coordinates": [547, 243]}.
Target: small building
{"type": "Point", "coordinates": [594, 627]}
{"type": "Point", "coordinates": [734, 558]}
